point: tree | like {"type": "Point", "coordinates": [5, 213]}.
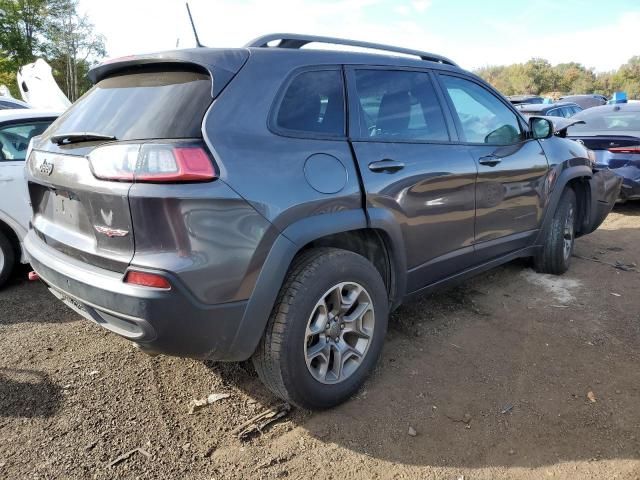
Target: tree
{"type": "Point", "coordinates": [574, 78]}
{"type": "Point", "coordinates": [538, 76]}
{"type": "Point", "coordinates": [73, 47]}
{"type": "Point", "coordinates": [498, 76]}
{"type": "Point", "coordinates": [8, 76]}
{"type": "Point", "coordinates": [627, 78]}
{"type": "Point", "coordinates": [22, 25]}
{"type": "Point", "coordinates": [53, 30]}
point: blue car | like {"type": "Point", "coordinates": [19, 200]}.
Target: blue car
{"type": "Point", "coordinates": [613, 133]}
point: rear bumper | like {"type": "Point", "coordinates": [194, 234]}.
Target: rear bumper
{"type": "Point", "coordinates": [172, 322]}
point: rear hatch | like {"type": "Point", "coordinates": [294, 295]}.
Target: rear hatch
{"type": "Point", "coordinates": [141, 122]}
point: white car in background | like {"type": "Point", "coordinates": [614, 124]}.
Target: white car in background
{"type": "Point", "coordinates": [39, 89]}
{"type": "Point", "coordinates": [17, 127]}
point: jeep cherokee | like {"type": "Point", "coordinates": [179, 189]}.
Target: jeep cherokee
{"type": "Point", "coordinates": [276, 203]}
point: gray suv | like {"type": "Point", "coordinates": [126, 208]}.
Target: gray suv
{"type": "Point", "coordinates": [277, 203]}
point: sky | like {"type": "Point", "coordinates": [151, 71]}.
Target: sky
{"type": "Point", "coordinates": [474, 33]}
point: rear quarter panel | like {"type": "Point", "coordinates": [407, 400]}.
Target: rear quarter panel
{"type": "Point", "coordinates": [205, 234]}
{"type": "Point", "coordinates": [265, 168]}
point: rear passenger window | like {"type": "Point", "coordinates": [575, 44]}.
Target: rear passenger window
{"type": "Point", "coordinates": [399, 105]}
{"type": "Point", "coordinates": [314, 103]}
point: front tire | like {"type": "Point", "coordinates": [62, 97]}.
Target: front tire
{"type": "Point", "coordinates": [326, 331]}
{"type": "Point", "coordinates": [7, 259]}
{"type": "Point", "coordinates": [559, 239]}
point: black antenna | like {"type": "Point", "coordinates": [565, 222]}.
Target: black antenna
{"type": "Point", "coordinates": [195, 32]}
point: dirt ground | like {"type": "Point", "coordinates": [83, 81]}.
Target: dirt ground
{"type": "Point", "coordinates": [494, 377]}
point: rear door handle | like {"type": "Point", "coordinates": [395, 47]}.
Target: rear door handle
{"type": "Point", "coordinates": [386, 165]}
{"type": "Point", "coordinates": [489, 160]}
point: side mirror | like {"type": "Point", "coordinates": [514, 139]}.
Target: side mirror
{"type": "Point", "coordinates": [540, 127]}
{"type": "Point", "coordinates": [504, 135]}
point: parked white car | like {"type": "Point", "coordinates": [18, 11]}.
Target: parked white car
{"type": "Point", "coordinates": [17, 127]}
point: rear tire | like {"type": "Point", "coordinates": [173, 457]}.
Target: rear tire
{"type": "Point", "coordinates": [326, 331]}
{"type": "Point", "coordinates": [559, 239]}
{"type": "Point", "coordinates": [7, 259]}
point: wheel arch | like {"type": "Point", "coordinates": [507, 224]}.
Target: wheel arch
{"type": "Point", "coordinates": [576, 177]}
{"type": "Point", "coordinates": [351, 230]}
{"type": "Point", "coordinates": [9, 229]}
{"type": "Point", "coordinates": [580, 186]}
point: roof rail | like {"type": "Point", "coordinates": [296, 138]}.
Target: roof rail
{"type": "Point", "coordinates": [293, 40]}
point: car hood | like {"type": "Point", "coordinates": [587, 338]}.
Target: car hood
{"type": "Point", "coordinates": [39, 89]}
{"type": "Point", "coordinates": [560, 124]}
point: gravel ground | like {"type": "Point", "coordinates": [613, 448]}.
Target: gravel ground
{"type": "Point", "coordinates": [512, 375]}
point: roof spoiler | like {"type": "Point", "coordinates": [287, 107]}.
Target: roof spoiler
{"type": "Point", "coordinates": [222, 65]}
{"type": "Point", "coordinates": [293, 40]}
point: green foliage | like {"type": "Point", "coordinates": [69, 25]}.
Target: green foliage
{"type": "Point", "coordinates": [627, 78]}
{"type": "Point", "coordinates": [22, 23]}
{"type": "Point", "coordinates": [539, 77]}
{"type": "Point", "coordinates": [8, 71]}
{"type": "Point", "coordinates": [53, 30]}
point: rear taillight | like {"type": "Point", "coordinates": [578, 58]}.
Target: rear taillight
{"type": "Point", "coordinates": [152, 162]}
{"type": "Point", "coordinates": [630, 149]}
{"type": "Point", "coordinates": [146, 279]}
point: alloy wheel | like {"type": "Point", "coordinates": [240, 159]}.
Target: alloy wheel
{"type": "Point", "coordinates": [339, 332]}
{"type": "Point", "coordinates": [568, 233]}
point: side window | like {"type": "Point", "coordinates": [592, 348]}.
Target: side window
{"type": "Point", "coordinates": [314, 103]}
{"type": "Point", "coordinates": [483, 117]}
{"type": "Point", "coordinates": [399, 105]}
{"type": "Point", "coordinates": [554, 113]}
{"type": "Point", "coordinates": [14, 140]}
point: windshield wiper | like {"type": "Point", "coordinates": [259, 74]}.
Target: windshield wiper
{"type": "Point", "coordinates": [75, 137]}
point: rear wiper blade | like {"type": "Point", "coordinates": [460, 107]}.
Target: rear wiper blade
{"type": "Point", "coordinates": [75, 137]}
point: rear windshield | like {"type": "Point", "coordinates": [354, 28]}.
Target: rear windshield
{"type": "Point", "coordinates": [169, 104]}
{"type": "Point", "coordinates": [597, 120]}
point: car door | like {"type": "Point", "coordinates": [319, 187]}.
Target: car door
{"type": "Point", "coordinates": [14, 140]}
{"type": "Point", "coordinates": [406, 149]}
{"type": "Point", "coordinates": [511, 167]}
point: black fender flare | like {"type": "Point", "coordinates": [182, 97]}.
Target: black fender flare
{"type": "Point", "coordinates": [565, 176]}
{"type": "Point", "coordinates": [286, 247]}
{"type": "Point", "coordinates": [383, 220]}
